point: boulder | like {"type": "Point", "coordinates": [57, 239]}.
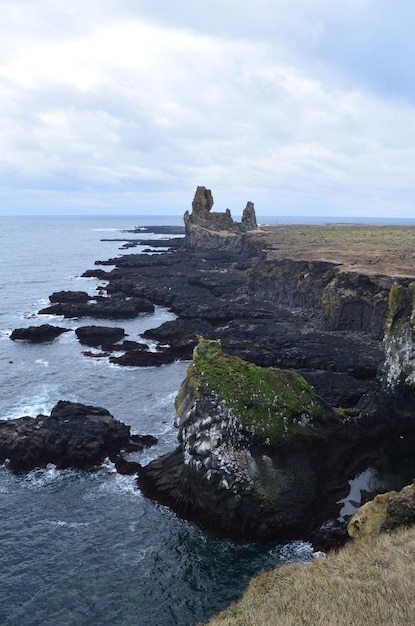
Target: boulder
{"type": "Point", "coordinates": [97, 336]}
{"type": "Point", "coordinates": [69, 296]}
{"type": "Point", "coordinates": [73, 435]}
{"type": "Point", "coordinates": [385, 512]}
{"type": "Point", "coordinates": [38, 334]}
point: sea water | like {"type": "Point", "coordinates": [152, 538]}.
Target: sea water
{"type": "Point", "coordinates": [77, 547]}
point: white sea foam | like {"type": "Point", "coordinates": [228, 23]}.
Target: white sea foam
{"type": "Point", "coordinates": [42, 362]}
{"type": "Point", "coordinates": [63, 524]}
{"type": "Point", "coordinates": [67, 337]}
{"type": "Point", "coordinates": [40, 403]}
{"type": "Point", "coordinates": [103, 230]}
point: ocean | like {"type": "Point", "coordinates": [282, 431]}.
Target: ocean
{"type": "Point", "coordinates": [85, 548]}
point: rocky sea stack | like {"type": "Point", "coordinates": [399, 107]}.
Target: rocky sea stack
{"type": "Point", "coordinates": [259, 450]}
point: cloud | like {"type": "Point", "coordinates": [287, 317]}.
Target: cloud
{"type": "Point", "coordinates": [139, 102]}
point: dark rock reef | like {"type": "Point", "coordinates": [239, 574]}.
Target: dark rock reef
{"type": "Point", "coordinates": [72, 436]}
{"type": "Point", "coordinates": [75, 304]}
{"type": "Point", "coordinates": [99, 336]}
{"type": "Point", "coordinates": [38, 334]}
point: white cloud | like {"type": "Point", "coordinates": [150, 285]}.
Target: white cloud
{"type": "Point", "coordinates": [111, 100]}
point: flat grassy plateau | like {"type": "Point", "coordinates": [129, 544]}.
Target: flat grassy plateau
{"type": "Point", "coordinates": [369, 249]}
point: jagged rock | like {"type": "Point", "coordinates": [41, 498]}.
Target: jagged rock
{"type": "Point", "coordinates": [125, 467]}
{"type": "Point", "coordinates": [73, 435]}
{"type": "Point", "coordinates": [180, 332]}
{"type": "Point", "coordinates": [113, 307]}
{"type": "Point", "coordinates": [146, 358]}
{"type": "Point", "coordinates": [96, 336]}
{"type": "Point", "coordinates": [69, 296]}
{"type": "Point", "coordinates": [249, 217]}
{"type": "Point", "coordinates": [139, 442]}
{"type": "Point", "coordinates": [385, 512]}
{"type": "Point", "coordinates": [38, 334]}
{"type": "Point", "coordinates": [202, 226]}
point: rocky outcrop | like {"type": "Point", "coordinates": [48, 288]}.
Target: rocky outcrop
{"type": "Point", "coordinates": [205, 229]}
{"type": "Point", "coordinates": [38, 334]}
{"type": "Point", "coordinates": [384, 513]}
{"type": "Point", "coordinates": [249, 218]}
{"type": "Point", "coordinates": [73, 435]}
{"type": "Point", "coordinates": [337, 300]}
{"type": "Point", "coordinates": [259, 450]}
{"type": "Point", "coordinates": [113, 307]}
{"type": "Point", "coordinates": [99, 336]}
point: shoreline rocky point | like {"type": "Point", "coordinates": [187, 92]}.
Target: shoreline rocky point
{"type": "Point", "coordinates": [302, 374]}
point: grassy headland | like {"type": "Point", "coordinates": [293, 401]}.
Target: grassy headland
{"type": "Point", "coordinates": [369, 582]}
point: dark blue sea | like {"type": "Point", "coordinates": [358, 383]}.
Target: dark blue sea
{"type": "Point", "coordinates": [85, 548]}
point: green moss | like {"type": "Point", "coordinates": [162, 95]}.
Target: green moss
{"type": "Point", "coordinates": [346, 414]}
{"type": "Point", "coordinates": [269, 401]}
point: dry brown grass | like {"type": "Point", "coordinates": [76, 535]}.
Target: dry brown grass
{"type": "Point", "coordinates": [372, 249]}
{"type": "Point", "coordinates": [368, 583]}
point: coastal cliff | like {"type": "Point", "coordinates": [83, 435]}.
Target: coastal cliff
{"type": "Point", "coordinates": [245, 467]}
{"type": "Point", "coordinates": [330, 307]}
{"type": "Point", "coordinates": [259, 450]}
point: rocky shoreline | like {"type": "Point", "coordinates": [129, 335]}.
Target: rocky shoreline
{"type": "Point", "coordinates": [74, 435]}
{"type": "Point", "coordinates": [314, 319]}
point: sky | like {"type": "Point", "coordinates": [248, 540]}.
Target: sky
{"type": "Point", "coordinates": [304, 107]}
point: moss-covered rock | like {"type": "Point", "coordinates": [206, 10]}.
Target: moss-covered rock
{"type": "Point", "coordinates": [270, 403]}
{"type": "Point", "coordinates": [259, 449]}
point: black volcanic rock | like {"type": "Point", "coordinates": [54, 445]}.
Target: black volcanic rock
{"type": "Point", "coordinates": [143, 358]}
{"type": "Point", "coordinates": [38, 334]}
{"type": "Point", "coordinates": [180, 332]}
{"type": "Point", "coordinates": [69, 296]}
{"type": "Point", "coordinates": [114, 307]}
{"type": "Point", "coordinates": [99, 335]}
{"type": "Point", "coordinates": [73, 435]}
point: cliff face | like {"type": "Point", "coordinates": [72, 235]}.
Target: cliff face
{"type": "Point", "coordinates": [337, 300]}
{"type": "Point", "coordinates": [399, 366]}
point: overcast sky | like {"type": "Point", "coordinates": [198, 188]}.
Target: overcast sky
{"type": "Point", "coordinates": [304, 107]}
